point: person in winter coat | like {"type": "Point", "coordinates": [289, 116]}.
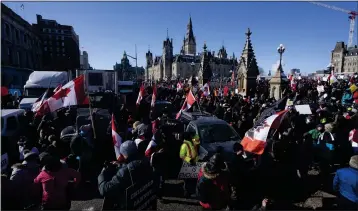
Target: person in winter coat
{"type": "Point", "coordinates": [327, 145]}
{"type": "Point", "coordinates": [345, 183]}
{"type": "Point", "coordinates": [54, 180]}
{"type": "Point", "coordinates": [23, 175]}
{"type": "Point", "coordinates": [189, 151]}
{"type": "Point", "coordinates": [354, 90]}
{"type": "Point", "coordinates": [213, 184]}
{"type": "Point", "coordinates": [347, 97]}
{"type": "Point", "coordinates": [116, 178]}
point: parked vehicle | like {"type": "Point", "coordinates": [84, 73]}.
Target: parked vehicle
{"type": "Point", "coordinates": [10, 132]}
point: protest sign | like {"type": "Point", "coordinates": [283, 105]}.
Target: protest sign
{"type": "Point", "coordinates": [188, 171]}
{"type": "Point", "coordinates": [142, 196]}
{"type": "Point", "coordinates": [303, 109]}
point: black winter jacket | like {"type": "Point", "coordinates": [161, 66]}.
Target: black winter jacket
{"type": "Point", "coordinates": [114, 187]}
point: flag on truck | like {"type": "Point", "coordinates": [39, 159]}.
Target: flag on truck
{"type": "Point", "coordinates": [256, 138]}
{"type": "Point", "coordinates": [189, 101]}
{"type": "Point", "coordinates": [71, 94]}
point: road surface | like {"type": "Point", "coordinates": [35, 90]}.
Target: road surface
{"type": "Point", "coordinates": [315, 197]}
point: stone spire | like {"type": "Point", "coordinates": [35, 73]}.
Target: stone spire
{"type": "Point", "coordinates": [248, 57]}
{"type": "Point", "coordinates": [205, 65]}
{"type": "Point", "coordinates": [190, 43]}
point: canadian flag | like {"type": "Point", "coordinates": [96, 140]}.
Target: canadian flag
{"type": "Point", "coordinates": [179, 86]}
{"type": "Point", "coordinates": [293, 82]}
{"type": "Point", "coordinates": [117, 140]}
{"type": "Point", "coordinates": [154, 95]}
{"type": "Point", "coordinates": [255, 139]}
{"type": "Point", "coordinates": [150, 148]}
{"type": "Point", "coordinates": [206, 89]}
{"type": "Point", "coordinates": [332, 78]}
{"type": "Point", "coordinates": [140, 95]}
{"type": "Point", "coordinates": [226, 91]}
{"type": "Point", "coordinates": [189, 101]}
{"type": "Point", "coordinates": [71, 94]}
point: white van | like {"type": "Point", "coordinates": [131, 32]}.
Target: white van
{"type": "Point", "coordinates": [10, 128]}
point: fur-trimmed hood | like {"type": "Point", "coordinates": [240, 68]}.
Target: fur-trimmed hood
{"type": "Point", "coordinates": [212, 175]}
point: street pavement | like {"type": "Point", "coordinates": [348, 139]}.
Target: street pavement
{"type": "Point", "coordinates": [316, 198]}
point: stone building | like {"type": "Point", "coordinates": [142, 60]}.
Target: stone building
{"type": "Point", "coordinates": [61, 50]}
{"type": "Point", "coordinates": [344, 60]}
{"type": "Point", "coordinates": [247, 70]}
{"type": "Point", "coordinates": [126, 71]}
{"type": "Point", "coordinates": [188, 62]}
{"type": "Point", "coordinates": [21, 49]}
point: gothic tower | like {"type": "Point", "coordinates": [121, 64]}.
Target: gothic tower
{"type": "Point", "coordinates": [205, 73]}
{"type": "Point", "coordinates": [167, 58]}
{"type": "Point", "coordinates": [189, 43]}
{"type": "Point", "coordinates": [149, 59]}
{"type": "Point", "coordinates": [247, 68]}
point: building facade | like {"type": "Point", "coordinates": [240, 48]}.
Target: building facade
{"type": "Point", "coordinates": [60, 45]}
{"type": "Point", "coordinates": [188, 62]}
{"type": "Point", "coordinates": [126, 71]}
{"type": "Point", "coordinates": [84, 64]}
{"type": "Point", "coordinates": [343, 59]}
{"type": "Point", "coordinates": [21, 51]}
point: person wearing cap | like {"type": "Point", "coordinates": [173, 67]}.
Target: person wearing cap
{"type": "Point", "coordinates": [213, 184]}
{"type": "Point", "coordinates": [189, 153]}
{"type": "Point", "coordinates": [345, 182]}
{"type": "Point", "coordinates": [24, 144]}
{"type": "Point", "coordinates": [117, 177]}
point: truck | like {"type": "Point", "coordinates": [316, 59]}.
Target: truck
{"type": "Point", "coordinates": [38, 83]}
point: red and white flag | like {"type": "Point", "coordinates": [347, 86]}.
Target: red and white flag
{"type": "Point", "coordinates": [189, 101]}
{"type": "Point", "coordinates": [154, 95]}
{"type": "Point", "coordinates": [71, 94]}
{"type": "Point", "coordinates": [206, 89]}
{"type": "Point", "coordinates": [117, 140]}
{"type": "Point", "coordinates": [150, 148]}
{"type": "Point", "coordinates": [293, 82]}
{"type": "Point", "coordinates": [353, 137]}
{"type": "Point", "coordinates": [255, 139]}
{"type": "Point", "coordinates": [140, 95]}
{"type": "Point", "coordinates": [332, 78]}
{"type": "Point", "coordinates": [179, 86]}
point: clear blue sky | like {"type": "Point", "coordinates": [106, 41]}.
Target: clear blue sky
{"type": "Point", "coordinates": [106, 29]}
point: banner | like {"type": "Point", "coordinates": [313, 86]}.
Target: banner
{"type": "Point", "coordinates": [142, 196]}
{"type": "Point", "coordinates": [189, 171]}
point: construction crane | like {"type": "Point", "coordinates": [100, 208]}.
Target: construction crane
{"type": "Point", "coordinates": [351, 15]}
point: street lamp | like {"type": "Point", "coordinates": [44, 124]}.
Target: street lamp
{"type": "Point", "coordinates": [281, 49]}
{"type": "Point", "coordinates": [136, 61]}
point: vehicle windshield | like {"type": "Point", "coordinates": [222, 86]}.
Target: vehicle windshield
{"type": "Point", "coordinates": [217, 133]}
{"type": "Point", "coordinates": [35, 92]}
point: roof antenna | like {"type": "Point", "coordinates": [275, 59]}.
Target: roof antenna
{"type": "Point", "coordinates": [167, 34]}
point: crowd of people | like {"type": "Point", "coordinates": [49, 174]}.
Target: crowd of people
{"type": "Point", "coordinates": [49, 166]}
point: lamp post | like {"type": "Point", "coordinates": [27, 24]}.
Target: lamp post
{"type": "Point", "coordinates": [281, 49]}
{"type": "Point", "coordinates": [136, 62]}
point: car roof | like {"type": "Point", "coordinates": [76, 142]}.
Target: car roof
{"type": "Point", "coordinates": [208, 120]}
{"type": "Point", "coordinates": [10, 112]}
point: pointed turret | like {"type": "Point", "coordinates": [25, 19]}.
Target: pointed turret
{"type": "Point", "coordinates": [222, 53]}
{"type": "Point", "coordinates": [248, 59]}
{"type": "Point", "coordinates": [189, 43]}
{"type": "Point", "coordinates": [248, 69]}
{"type": "Point", "coordinates": [206, 72]}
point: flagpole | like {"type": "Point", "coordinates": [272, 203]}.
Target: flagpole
{"type": "Point", "coordinates": [89, 104]}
